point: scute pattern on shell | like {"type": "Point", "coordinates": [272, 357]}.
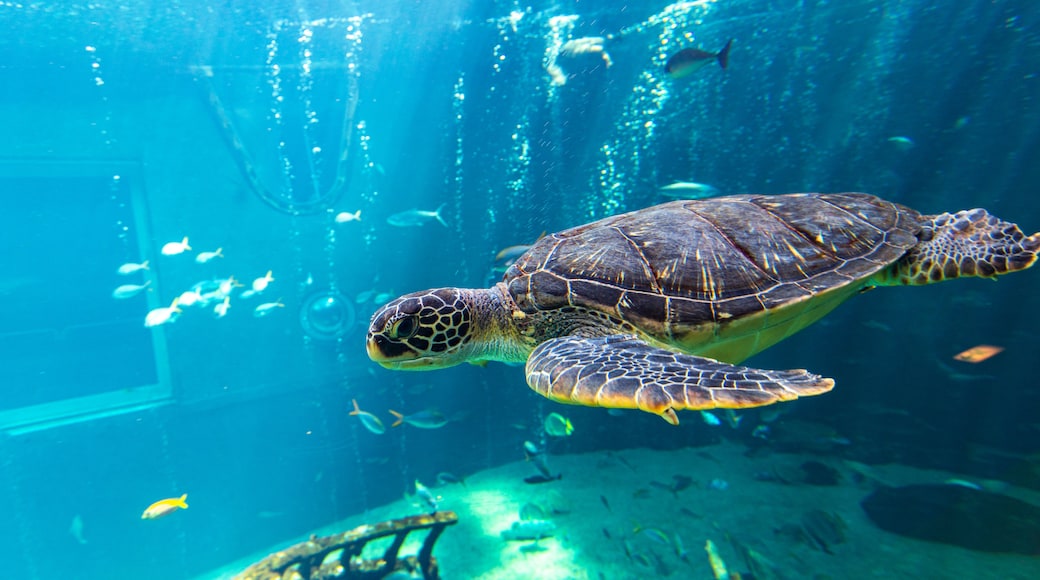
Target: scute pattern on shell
{"type": "Point", "coordinates": [713, 260]}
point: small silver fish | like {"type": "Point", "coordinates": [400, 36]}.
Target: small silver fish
{"type": "Point", "coordinates": [689, 190]}
{"type": "Point", "coordinates": [130, 267]}
{"type": "Point", "coordinates": [203, 257]}
{"type": "Point", "coordinates": [346, 216]}
{"type": "Point", "coordinates": [902, 143]}
{"type": "Point", "coordinates": [416, 217]}
{"type": "Point", "coordinates": [129, 290]}
{"type": "Point", "coordinates": [267, 307]}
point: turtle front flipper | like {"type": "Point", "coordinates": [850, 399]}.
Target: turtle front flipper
{"type": "Point", "coordinates": [624, 372]}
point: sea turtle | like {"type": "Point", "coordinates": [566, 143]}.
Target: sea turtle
{"type": "Point", "coordinates": [655, 309]}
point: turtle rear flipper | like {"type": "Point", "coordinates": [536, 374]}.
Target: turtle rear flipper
{"type": "Point", "coordinates": [967, 243]}
{"type": "Point", "coordinates": [626, 373]}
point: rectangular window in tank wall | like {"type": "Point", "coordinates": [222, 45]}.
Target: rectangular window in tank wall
{"type": "Point", "coordinates": [74, 288]}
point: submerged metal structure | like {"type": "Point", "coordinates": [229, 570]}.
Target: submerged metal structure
{"type": "Point", "coordinates": [339, 555]}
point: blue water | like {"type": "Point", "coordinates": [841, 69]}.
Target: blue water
{"type": "Point", "coordinates": [249, 128]}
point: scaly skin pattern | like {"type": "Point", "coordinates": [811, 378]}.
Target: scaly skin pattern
{"type": "Point", "coordinates": [967, 243]}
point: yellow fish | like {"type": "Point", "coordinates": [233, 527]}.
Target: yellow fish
{"type": "Point", "coordinates": [165, 507]}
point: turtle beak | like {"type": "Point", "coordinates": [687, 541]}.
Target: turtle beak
{"type": "Point", "coordinates": [373, 350]}
{"type": "Point", "coordinates": [395, 355]}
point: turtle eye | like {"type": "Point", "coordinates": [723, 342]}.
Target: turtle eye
{"type": "Point", "coordinates": [403, 328]}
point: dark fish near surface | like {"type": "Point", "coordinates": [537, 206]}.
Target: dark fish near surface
{"type": "Point", "coordinates": [542, 478]}
{"type": "Point", "coordinates": [690, 60]}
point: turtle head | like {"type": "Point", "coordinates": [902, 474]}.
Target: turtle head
{"type": "Point", "coordinates": [421, 331]}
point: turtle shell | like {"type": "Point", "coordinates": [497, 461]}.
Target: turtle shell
{"type": "Point", "coordinates": [705, 275]}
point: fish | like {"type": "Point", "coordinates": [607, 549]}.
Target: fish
{"type": "Point", "coordinates": [532, 548]}
{"type": "Point", "coordinates": [680, 550]}
{"type": "Point", "coordinates": [221, 310]}
{"type": "Point", "coordinates": [532, 511]}
{"type": "Point", "coordinates": [224, 287]}
{"type": "Point", "coordinates": [977, 354]}
{"type": "Point", "coordinates": [902, 143]}
{"type": "Point", "coordinates": [370, 421]}
{"type": "Point", "coordinates": [204, 257]}
{"type": "Point", "coordinates": [690, 60]}
{"type": "Point", "coordinates": [165, 507]}
{"type": "Point", "coordinates": [690, 513]}
{"type": "Point", "coordinates": [260, 284]}
{"type": "Point", "coordinates": [129, 290]}
{"type": "Point", "coordinates": [426, 496]}
{"type": "Point", "coordinates": [162, 315]}
{"type": "Point", "coordinates": [556, 425]}
{"type": "Point", "coordinates": [541, 464]}
{"type": "Point", "coordinates": [209, 291]}
{"type": "Point", "coordinates": [189, 298]}
{"type": "Point", "coordinates": [530, 530]}
{"type": "Point", "coordinates": [509, 254]}
{"type": "Point", "coordinates": [416, 217]}
{"type": "Point", "coordinates": [955, 375]}
{"type": "Point", "coordinates": [267, 307]}
{"type": "Point", "coordinates": [718, 565]}
{"type": "Point", "coordinates": [130, 267]}
{"type": "Point", "coordinates": [642, 560]}
{"type": "Point", "coordinates": [531, 448]}
{"type": "Point", "coordinates": [732, 418]}
{"type": "Point", "coordinates": [76, 529]}
{"type": "Point", "coordinates": [174, 248]}
{"type": "Point", "coordinates": [364, 296]}
{"type": "Point", "coordinates": [345, 217]}
{"type": "Point", "coordinates": [444, 478]}
{"type": "Point", "coordinates": [606, 504]}
{"type": "Point", "coordinates": [655, 534]}
{"type": "Point", "coordinates": [680, 482]}
{"type": "Point", "coordinates": [710, 418]}
{"type": "Point", "coordinates": [689, 190]}
{"type": "Point", "coordinates": [718, 484]}
{"type": "Point", "coordinates": [963, 483]}
{"type": "Point", "coordinates": [425, 419]}
{"type": "Point", "coordinates": [536, 479]}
